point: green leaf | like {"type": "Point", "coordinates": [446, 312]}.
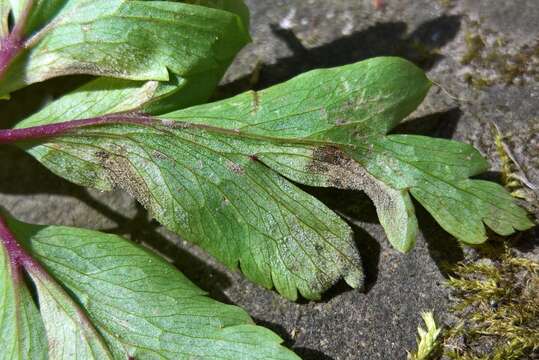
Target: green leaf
{"type": "Point", "coordinates": [234, 6]}
{"type": "Point", "coordinates": [69, 332]}
{"type": "Point", "coordinates": [350, 110]}
{"type": "Point", "coordinates": [135, 40]}
{"type": "Point", "coordinates": [103, 297]}
{"type": "Point", "coordinates": [200, 185]}
{"type": "Point", "coordinates": [214, 173]}
{"type": "Point", "coordinates": [435, 172]}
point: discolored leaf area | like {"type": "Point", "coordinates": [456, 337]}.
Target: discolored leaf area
{"type": "Point", "coordinates": [219, 174]}
{"type": "Point", "coordinates": [102, 297]}
{"type": "Point", "coordinates": [188, 46]}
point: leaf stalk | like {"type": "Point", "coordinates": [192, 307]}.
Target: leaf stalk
{"type": "Point", "coordinates": [18, 256]}
{"type": "Point", "coordinates": [13, 44]}
{"type": "Point", "coordinates": [8, 136]}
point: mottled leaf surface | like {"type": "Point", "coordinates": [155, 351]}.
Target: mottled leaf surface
{"type": "Point", "coordinates": [216, 173]}
{"type": "Point", "coordinates": [103, 297]}
{"type": "Point", "coordinates": [350, 110]}
{"type": "Point", "coordinates": [136, 40]}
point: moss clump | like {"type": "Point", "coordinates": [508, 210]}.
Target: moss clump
{"type": "Point", "coordinates": [474, 47]}
{"type": "Point", "coordinates": [512, 176]}
{"type": "Point", "coordinates": [497, 301]}
{"type": "Point", "coordinates": [428, 344]}
{"type": "Point", "coordinates": [477, 81]}
{"type": "Point", "coordinates": [447, 3]}
{"type": "Point", "coordinates": [498, 58]}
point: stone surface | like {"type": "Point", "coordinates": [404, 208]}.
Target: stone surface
{"type": "Point", "coordinates": [293, 36]}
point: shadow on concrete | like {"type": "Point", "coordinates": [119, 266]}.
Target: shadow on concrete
{"type": "Point", "coordinates": [382, 39]}
{"type": "Point", "coordinates": [528, 241]}
{"type": "Point", "coordinates": [443, 248]}
{"type": "Point", "coordinates": [304, 353]}
{"type": "Point", "coordinates": [310, 354]}
{"type": "Point", "coordinates": [440, 125]}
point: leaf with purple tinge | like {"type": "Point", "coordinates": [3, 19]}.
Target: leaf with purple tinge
{"type": "Point", "coordinates": [102, 297]}
{"type": "Point", "coordinates": [218, 174]}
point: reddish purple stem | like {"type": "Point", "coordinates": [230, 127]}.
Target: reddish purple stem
{"type": "Point", "coordinates": [37, 132]}
{"type": "Point", "coordinates": [9, 49]}
{"type": "Point", "coordinates": [18, 256]}
{"type": "Point", "coordinates": [13, 44]}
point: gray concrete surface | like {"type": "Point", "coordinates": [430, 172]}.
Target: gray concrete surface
{"type": "Point", "coordinates": [291, 37]}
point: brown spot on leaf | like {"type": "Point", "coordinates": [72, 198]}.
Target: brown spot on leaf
{"type": "Point", "coordinates": [341, 171]}
{"type": "Point", "coordinates": [159, 155]}
{"type": "Point", "coordinates": [323, 112]}
{"type": "Point", "coordinates": [121, 174]}
{"type": "Point", "coordinates": [235, 168]}
{"type": "Point", "coordinates": [225, 202]}
{"type": "Point", "coordinates": [338, 169]}
{"type": "Point", "coordinates": [102, 155]}
{"type": "Point", "coordinates": [330, 154]}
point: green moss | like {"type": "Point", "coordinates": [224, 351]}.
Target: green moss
{"type": "Point", "coordinates": [497, 302]}
{"type": "Point", "coordinates": [428, 343]}
{"type": "Point", "coordinates": [447, 3]}
{"type": "Point", "coordinates": [477, 81]}
{"type": "Point", "coordinates": [510, 172]}
{"type": "Point", "coordinates": [474, 47]}
{"type": "Point", "coordinates": [499, 57]}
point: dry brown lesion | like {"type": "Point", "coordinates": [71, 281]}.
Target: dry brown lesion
{"type": "Point", "coordinates": [235, 167]}
{"type": "Point", "coordinates": [122, 175]}
{"type": "Point", "coordinates": [339, 169]}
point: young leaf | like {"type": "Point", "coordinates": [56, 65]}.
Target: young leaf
{"type": "Point", "coordinates": [211, 172]}
{"type": "Point", "coordinates": [102, 297]}
{"type": "Point", "coordinates": [136, 40]}
{"type": "Point", "coordinates": [428, 340]}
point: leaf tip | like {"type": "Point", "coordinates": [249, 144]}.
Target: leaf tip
{"type": "Point", "coordinates": [355, 278]}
